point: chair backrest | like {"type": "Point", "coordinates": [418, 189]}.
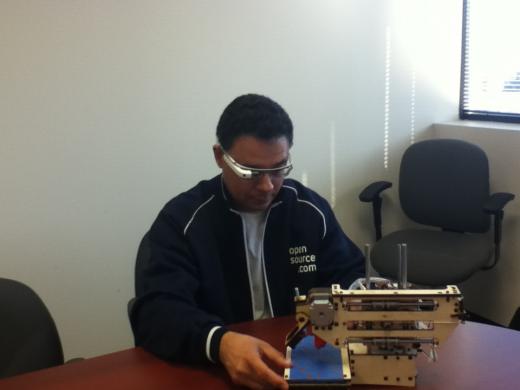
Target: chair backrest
{"type": "Point", "coordinates": [142, 259]}
{"type": "Point", "coordinates": [444, 183]}
{"type": "Point", "coordinates": [29, 339]}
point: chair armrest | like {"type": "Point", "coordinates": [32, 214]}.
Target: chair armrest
{"type": "Point", "coordinates": [371, 194]}
{"type": "Point", "coordinates": [497, 202]}
{"type": "Point", "coordinates": [494, 206]}
{"type": "Point", "coordinates": [372, 191]}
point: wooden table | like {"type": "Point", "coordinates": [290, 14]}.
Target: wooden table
{"type": "Point", "coordinates": [475, 357]}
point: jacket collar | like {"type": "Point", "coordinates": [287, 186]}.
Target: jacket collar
{"type": "Point", "coordinates": [226, 196]}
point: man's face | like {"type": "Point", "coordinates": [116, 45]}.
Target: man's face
{"type": "Point", "coordinates": [253, 194]}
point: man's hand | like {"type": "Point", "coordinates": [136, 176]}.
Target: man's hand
{"type": "Point", "coordinates": [247, 360]}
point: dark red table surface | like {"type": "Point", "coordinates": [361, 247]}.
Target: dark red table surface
{"type": "Point", "coordinates": [475, 357]}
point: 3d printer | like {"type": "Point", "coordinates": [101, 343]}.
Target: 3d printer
{"type": "Point", "coordinates": [377, 330]}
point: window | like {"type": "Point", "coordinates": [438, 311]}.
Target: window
{"type": "Point", "coordinates": [490, 77]}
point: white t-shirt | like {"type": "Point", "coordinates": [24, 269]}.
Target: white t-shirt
{"type": "Point", "coordinates": [254, 228]}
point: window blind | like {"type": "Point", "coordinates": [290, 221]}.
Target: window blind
{"type": "Point", "coordinates": [490, 77]}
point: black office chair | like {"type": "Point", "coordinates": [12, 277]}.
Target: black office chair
{"type": "Point", "coordinates": [28, 337]}
{"type": "Point", "coordinates": [443, 183]}
{"type": "Point", "coordinates": [142, 258]}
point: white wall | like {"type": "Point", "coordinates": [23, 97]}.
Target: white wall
{"type": "Point", "coordinates": [108, 109]}
{"type": "Point", "coordinates": [495, 294]}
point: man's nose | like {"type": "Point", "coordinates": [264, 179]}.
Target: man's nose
{"type": "Point", "coordinates": [265, 183]}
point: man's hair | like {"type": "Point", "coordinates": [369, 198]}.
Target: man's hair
{"type": "Point", "coordinates": [253, 115]}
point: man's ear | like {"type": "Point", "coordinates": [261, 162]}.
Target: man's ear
{"type": "Point", "coordinates": [218, 154]}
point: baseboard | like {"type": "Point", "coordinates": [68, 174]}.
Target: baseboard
{"type": "Point", "coordinates": [470, 316]}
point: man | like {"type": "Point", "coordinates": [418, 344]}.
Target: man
{"type": "Point", "coordinates": [233, 249]}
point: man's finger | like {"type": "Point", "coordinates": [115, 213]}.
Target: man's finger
{"type": "Point", "coordinates": [268, 376]}
{"type": "Point", "coordinates": [274, 356]}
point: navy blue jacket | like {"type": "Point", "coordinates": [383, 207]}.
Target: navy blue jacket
{"type": "Point", "coordinates": [197, 275]}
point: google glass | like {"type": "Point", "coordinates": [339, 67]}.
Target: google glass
{"type": "Point", "coordinates": [253, 173]}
